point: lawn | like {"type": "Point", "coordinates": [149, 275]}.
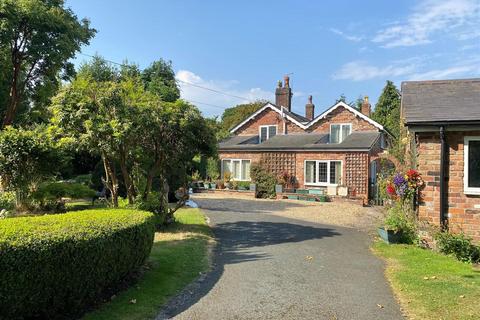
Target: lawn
{"type": "Point", "coordinates": [430, 285]}
{"type": "Point", "coordinates": [179, 254]}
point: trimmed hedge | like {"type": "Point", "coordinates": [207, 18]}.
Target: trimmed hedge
{"type": "Point", "coordinates": [53, 266]}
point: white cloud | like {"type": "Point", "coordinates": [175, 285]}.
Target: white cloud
{"type": "Point", "coordinates": [346, 36]}
{"type": "Point", "coordinates": [361, 70]}
{"type": "Point", "coordinates": [213, 103]}
{"type": "Point", "coordinates": [467, 68]}
{"type": "Point", "coordinates": [459, 18]}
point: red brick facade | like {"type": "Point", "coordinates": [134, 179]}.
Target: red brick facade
{"type": "Point", "coordinates": [341, 115]}
{"type": "Point", "coordinates": [463, 209]}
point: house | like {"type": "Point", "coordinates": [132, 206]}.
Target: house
{"type": "Point", "coordinates": [338, 147]}
{"type": "Point", "coordinates": [443, 121]}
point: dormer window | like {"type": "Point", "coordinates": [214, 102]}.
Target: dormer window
{"type": "Point", "coordinates": [267, 132]}
{"type": "Point", "coordinates": [338, 132]}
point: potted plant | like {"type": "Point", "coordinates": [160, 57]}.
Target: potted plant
{"type": "Point", "coordinates": [227, 177]}
{"type": "Point", "coordinates": [282, 182]}
{"type": "Point", "coordinates": [397, 227]}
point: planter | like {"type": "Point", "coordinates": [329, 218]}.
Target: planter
{"type": "Point", "coordinates": [322, 198]}
{"type": "Point", "coordinates": [332, 190]}
{"type": "Point", "coordinates": [213, 185]}
{"type": "Point", "coordinates": [253, 187]}
{"type": "Point", "coordinates": [389, 236]}
{"type": "Point", "coordinates": [278, 188]}
{"type": "Point", "coordinates": [342, 191]}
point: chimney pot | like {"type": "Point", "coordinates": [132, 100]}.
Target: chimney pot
{"type": "Point", "coordinates": [283, 94]}
{"type": "Point", "coordinates": [287, 81]}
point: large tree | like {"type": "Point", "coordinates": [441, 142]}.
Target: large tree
{"type": "Point", "coordinates": [37, 38]}
{"type": "Point", "coordinates": [159, 78]}
{"type": "Point", "coordinates": [387, 109]}
{"type": "Point", "coordinates": [233, 116]}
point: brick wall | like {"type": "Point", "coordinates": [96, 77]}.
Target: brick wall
{"type": "Point", "coordinates": [267, 117]}
{"type": "Point", "coordinates": [342, 115]}
{"type": "Point", "coordinates": [463, 216]}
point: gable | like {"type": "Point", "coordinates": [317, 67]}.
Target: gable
{"type": "Point", "coordinates": [267, 115]}
{"type": "Point", "coordinates": [341, 115]}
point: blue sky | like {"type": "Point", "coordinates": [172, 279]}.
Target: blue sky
{"type": "Point", "coordinates": [329, 47]}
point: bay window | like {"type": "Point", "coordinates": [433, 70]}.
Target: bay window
{"type": "Point", "coordinates": [267, 132]}
{"type": "Point", "coordinates": [472, 165]}
{"type": "Point", "coordinates": [239, 169]}
{"type": "Point", "coordinates": [323, 172]}
{"type": "Point", "coordinates": [338, 132]}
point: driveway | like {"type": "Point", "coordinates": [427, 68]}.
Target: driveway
{"type": "Point", "coordinates": [268, 266]}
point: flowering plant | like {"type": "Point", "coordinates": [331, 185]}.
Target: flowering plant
{"type": "Point", "coordinates": [403, 186]}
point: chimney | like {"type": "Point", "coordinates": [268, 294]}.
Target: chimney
{"type": "Point", "coordinates": [366, 107]}
{"type": "Point", "coordinates": [283, 94]}
{"type": "Point", "coordinates": [309, 109]}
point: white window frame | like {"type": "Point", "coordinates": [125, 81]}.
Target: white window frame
{"type": "Point", "coordinates": [341, 137]}
{"type": "Point", "coordinates": [317, 173]}
{"type": "Point", "coordinates": [268, 131]}
{"type": "Point", "coordinates": [231, 166]}
{"type": "Point", "coordinates": [466, 188]}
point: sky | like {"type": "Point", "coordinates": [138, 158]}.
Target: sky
{"type": "Point", "coordinates": [329, 48]}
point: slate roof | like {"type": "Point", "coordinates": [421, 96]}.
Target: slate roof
{"type": "Point", "coordinates": [358, 140]}
{"type": "Point", "coordinates": [441, 101]}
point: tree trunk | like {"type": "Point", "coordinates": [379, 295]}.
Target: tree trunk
{"type": "Point", "coordinates": [111, 181]}
{"type": "Point", "coordinates": [13, 98]}
{"type": "Point", "coordinates": [126, 177]}
{"type": "Point", "coordinates": [150, 175]}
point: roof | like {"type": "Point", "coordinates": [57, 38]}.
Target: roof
{"type": "Point", "coordinates": [441, 101]}
{"type": "Point", "coordinates": [303, 122]}
{"type": "Point", "coordinates": [356, 141]}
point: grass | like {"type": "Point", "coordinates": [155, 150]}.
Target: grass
{"type": "Point", "coordinates": [179, 254]}
{"type": "Point", "coordinates": [430, 285]}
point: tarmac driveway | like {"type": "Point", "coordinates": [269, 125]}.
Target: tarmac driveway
{"type": "Point", "coordinates": [271, 267]}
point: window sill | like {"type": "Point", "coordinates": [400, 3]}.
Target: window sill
{"type": "Point", "coordinates": [472, 191]}
{"type": "Point", "coordinates": [320, 184]}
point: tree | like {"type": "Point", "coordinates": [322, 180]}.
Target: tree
{"type": "Point", "coordinates": [387, 109]}
{"type": "Point", "coordinates": [159, 78]}
{"type": "Point", "coordinates": [233, 116]}
{"type": "Point", "coordinates": [38, 37]}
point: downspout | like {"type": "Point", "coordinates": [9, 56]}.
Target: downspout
{"type": "Point", "coordinates": [443, 190]}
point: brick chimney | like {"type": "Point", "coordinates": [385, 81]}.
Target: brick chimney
{"type": "Point", "coordinates": [366, 107]}
{"type": "Point", "coordinates": [283, 94]}
{"type": "Point", "coordinates": [309, 109]}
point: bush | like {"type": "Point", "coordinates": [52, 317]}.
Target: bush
{"type": "Point", "coordinates": [264, 180]}
{"type": "Point", "coordinates": [397, 221]}
{"type": "Point", "coordinates": [458, 245]}
{"type": "Point", "coordinates": [53, 266]}
{"type": "Point", "coordinates": [49, 196]}
{"type": "Point", "coordinates": [7, 200]}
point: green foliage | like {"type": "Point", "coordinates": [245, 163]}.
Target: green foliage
{"type": "Point", "coordinates": [37, 40]}
{"type": "Point", "coordinates": [243, 185]}
{"type": "Point", "coordinates": [7, 200]}
{"type": "Point", "coordinates": [235, 115]}
{"type": "Point", "coordinates": [55, 265]}
{"type": "Point", "coordinates": [26, 159]}
{"type": "Point", "coordinates": [264, 180]}
{"type": "Point", "coordinates": [159, 78]}
{"type": "Point", "coordinates": [49, 195]}
{"type": "Point", "coordinates": [458, 245]}
{"type": "Point", "coordinates": [85, 179]}
{"type": "Point", "coordinates": [387, 109]}
{"type": "Point", "coordinates": [213, 170]}
{"type": "Point", "coordinates": [397, 221]}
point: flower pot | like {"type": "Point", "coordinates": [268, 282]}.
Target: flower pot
{"type": "Point", "coordinates": [342, 191]}
{"type": "Point", "coordinates": [213, 185]}
{"type": "Point", "coordinates": [389, 236]}
{"type": "Point", "coordinates": [278, 188]}
{"type": "Point", "coordinates": [253, 187]}
{"type": "Point", "coordinates": [332, 190]}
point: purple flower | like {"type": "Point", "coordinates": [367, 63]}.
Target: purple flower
{"type": "Point", "coordinates": [399, 180]}
{"type": "Point", "coordinates": [402, 189]}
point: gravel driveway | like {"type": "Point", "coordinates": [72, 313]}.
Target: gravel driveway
{"type": "Point", "coordinates": [270, 266]}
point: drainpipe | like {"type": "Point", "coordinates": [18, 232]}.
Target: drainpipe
{"type": "Point", "coordinates": [443, 168]}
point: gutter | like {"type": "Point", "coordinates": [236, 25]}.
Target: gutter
{"type": "Point", "coordinates": [443, 187]}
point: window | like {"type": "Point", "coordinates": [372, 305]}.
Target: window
{"type": "Point", "coordinates": [472, 165]}
{"type": "Point", "coordinates": [338, 132]}
{"type": "Point", "coordinates": [238, 168]}
{"type": "Point", "coordinates": [319, 172]}
{"type": "Point", "coordinates": [267, 132]}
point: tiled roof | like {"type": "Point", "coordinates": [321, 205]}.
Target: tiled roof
{"type": "Point", "coordinates": [441, 101]}
{"type": "Point", "coordinates": [359, 140]}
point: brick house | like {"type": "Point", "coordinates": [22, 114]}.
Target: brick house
{"type": "Point", "coordinates": [337, 147]}
{"type": "Point", "coordinates": [443, 121]}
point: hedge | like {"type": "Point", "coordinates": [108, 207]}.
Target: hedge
{"type": "Point", "coordinates": [53, 266]}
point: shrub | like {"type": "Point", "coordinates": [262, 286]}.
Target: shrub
{"type": "Point", "coordinates": [53, 266]}
{"type": "Point", "coordinates": [7, 200]}
{"type": "Point", "coordinates": [49, 195]}
{"type": "Point", "coordinates": [458, 245]}
{"type": "Point", "coordinates": [397, 221]}
{"type": "Point", "coordinates": [264, 180]}
{"type": "Point", "coordinates": [244, 185]}
{"type": "Point", "coordinates": [213, 171]}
